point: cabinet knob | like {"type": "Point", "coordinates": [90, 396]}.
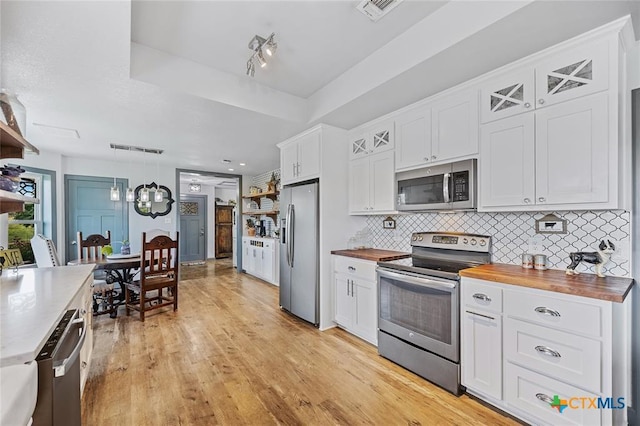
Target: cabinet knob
{"type": "Point", "coordinates": [351, 268]}
{"type": "Point", "coordinates": [541, 101]}
{"type": "Point", "coordinates": [433, 157]}
{"type": "Point", "coordinates": [527, 105]}
{"type": "Point", "coordinates": [426, 158]}
{"type": "Point", "coordinates": [527, 200]}
{"type": "Point", "coordinates": [542, 199]}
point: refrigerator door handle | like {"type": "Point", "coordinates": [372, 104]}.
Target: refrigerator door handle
{"type": "Point", "coordinates": [287, 236]}
{"type": "Point", "coordinates": [292, 236]}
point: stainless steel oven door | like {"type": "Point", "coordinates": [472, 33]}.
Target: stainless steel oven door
{"type": "Point", "coordinates": [420, 310]}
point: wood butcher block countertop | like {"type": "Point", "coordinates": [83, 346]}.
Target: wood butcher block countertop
{"type": "Point", "coordinates": [375, 255]}
{"type": "Point", "coordinates": [614, 289]}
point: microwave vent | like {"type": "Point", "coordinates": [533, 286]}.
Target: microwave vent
{"type": "Point", "coordinates": [376, 9]}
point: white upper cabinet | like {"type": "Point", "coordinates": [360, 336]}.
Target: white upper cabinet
{"type": "Point", "coordinates": [572, 153]}
{"type": "Point", "coordinates": [560, 77]}
{"type": "Point", "coordinates": [507, 169]}
{"type": "Point", "coordinates": [549, 138]}
{"type": "Point", "coordinates": [508, 95]}
{"type": "Point", "coordinates": [371, 184]}
{"type": "Point", "coordinates": [443, 130]}
{"type": "Point", "coordinates": [454, 125]}
{"type": "Point", "coordinates": [572, 73]}
{"type": "Point", "coordinates": [413, 138]}
{"type": "Point", "coordinates": [300, 158]}
{"type": "Point", "coordinates": [372, 140]}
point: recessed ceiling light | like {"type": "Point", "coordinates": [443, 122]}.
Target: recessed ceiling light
{"type": "Point", "coordinates": [243, 164]}
{"type": "Point", "coordinates": [230, 170]}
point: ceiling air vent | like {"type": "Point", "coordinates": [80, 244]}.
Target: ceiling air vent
{"type": "Point", "coordinates": [376, 9]}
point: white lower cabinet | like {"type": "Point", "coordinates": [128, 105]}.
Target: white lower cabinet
{"type": "Point", "coordinates": [482, 351]}
{"type": "Point", "coordinates": [524, 350]}
{"type": "Point", "coordinates": [260, 258]}
{"type": "Point", "coordinates": [356, 297]}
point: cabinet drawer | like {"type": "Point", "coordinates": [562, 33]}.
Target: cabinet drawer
{"type": "Point", "coordinates": [565, 356]}
{"type": "Point", "coordinates": [477, 294]}
{"type": "Point", "coordinates": [534, 393]}
{"type": "Point", "coordinates": [554, 312]}
{"type": "Point", "coordinates": [355, 267]}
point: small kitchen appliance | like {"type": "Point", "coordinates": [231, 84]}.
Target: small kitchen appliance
{"type": "Point", "coordinates": [449, 186]}
{"type": "Point", "coordinates": [419, 304]}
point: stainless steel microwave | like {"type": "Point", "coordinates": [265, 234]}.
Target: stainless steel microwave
{"type": "Point", "coordinates": [451, 186]}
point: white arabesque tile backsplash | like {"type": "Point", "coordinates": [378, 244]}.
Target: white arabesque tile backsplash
{"type": "Point", "coordinates": [512, 234]}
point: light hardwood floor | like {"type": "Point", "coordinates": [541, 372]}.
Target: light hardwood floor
{"type": "Point", "coordinates": [230, 356]}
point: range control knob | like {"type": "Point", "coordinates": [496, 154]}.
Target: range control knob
{"type": "Point", "coordinates": [420, 238]}
{"type": "Point", "coordinates": [473, 242]}
{"type": "Point", "coordinates": [465, 241]}
{"type": "Point", "coordinates": [414, 238]}
{"type": "Point", "coordinates": [483, 243]}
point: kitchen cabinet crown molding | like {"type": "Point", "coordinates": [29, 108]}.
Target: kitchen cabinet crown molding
{"type": "Point", "coordinates": [621, 27]}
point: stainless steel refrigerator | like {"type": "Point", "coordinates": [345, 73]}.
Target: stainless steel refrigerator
{"type": "Point", "coordinates": [299, 250]}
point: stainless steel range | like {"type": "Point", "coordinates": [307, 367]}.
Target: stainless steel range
{"type": "Point", "coordinates": [419, 304]}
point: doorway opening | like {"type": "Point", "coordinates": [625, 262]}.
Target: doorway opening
{"type": "Point", "coordinates": [208, 216]}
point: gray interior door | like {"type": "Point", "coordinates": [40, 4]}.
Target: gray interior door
{"type": "Point", "coordinates": [90, 210]}
{"type": "Point", "coordinates": [193, 228]}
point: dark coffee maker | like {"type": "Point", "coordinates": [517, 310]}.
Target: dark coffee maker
{"type": "Point", "coordinates": [261, 231]}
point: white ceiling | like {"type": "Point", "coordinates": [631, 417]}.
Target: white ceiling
{"type": "Point", "coordinates": [170, 75]}
{"type": "Point", "coordinates": [208, 180]}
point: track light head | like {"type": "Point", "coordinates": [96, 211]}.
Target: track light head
{"type": "Point", "coordinates": [260, 47]}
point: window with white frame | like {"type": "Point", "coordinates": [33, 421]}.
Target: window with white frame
{"type": "Point", "coordinates": [25, 224]}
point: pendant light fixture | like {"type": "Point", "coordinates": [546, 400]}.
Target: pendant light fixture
{"type": "Point", "coordinates": [144, 192]}
{"type": "Point", "coordinates": [114, 194]}
{"type": "Point", "coordinates": [158, 196]}
{"type": "Point", "coordinates": [130, 195]}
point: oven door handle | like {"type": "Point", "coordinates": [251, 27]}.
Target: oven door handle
{"type": "Point", "coordinates": [419, 280]}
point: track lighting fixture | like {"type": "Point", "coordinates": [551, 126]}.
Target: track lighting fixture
{"type": "Point", "coordinates": [260, 47]}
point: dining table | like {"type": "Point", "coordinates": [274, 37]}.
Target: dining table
{"type": "Point", "coordinates": [119, 268]}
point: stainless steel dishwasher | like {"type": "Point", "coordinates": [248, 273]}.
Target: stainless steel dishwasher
{"type": "Point", "coordinates": [59, 373]}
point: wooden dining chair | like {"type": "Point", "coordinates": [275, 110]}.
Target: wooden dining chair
{"type": "Point", "coordinates": [90, 249]}
{"type": "Point", "coordinates": [159, 268]}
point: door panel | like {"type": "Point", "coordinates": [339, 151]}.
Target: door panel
{"type": "Point", "coordinates": [359, 185]}
{"type": "Point", "coordinates": [90, 211]}
{"type": "Point", "coordinates": [193, 228]}
{"type": "Point", "coordinates": [572, 153]}
{"type": "Point", "coordinates": [309, 157]}
{"type": "Point", "coordinates": [382, 192]}
{"type": "Point", "coordinates": [413, 138]}
{"type": "Point", "coordinates": [223, 231]}
{"type": "Point", "coordinates": [304, 274]}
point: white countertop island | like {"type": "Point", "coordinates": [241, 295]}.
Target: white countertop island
{"type": "Point", "coordinates": [32, 303]}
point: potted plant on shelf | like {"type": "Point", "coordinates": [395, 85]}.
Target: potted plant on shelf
{"type": "Point", "coordinates": [251, 227]}
{"type": "Point", "coordinates": [272, 185]}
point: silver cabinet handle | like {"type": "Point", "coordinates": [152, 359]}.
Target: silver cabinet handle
{"type": "Point", "coordinates": [527, 105]}
{"type": "Point", "coordinates": [541, 101]}
{"type": "Point", "coordinates": [483, 297]}
{"type": "Point", "coordinates": [527, 200]}
{"type": "Point", "coordinates": [351, 268]}
{"type": "Point", "coordinates": [546, 311]}
{"type": "Point", "coordinates": [480, 315]}
{"type": "Point", "coordinates": [352, 293]}
{"type": "Point", "coordinates": [426, 158]}
{"type": "Point", "coordinates": [298, 169]}
{"type": "Point", "coordinates": [541, 199]}
{"type": "Point", "coordinates": [544, 398]}
{"type": "Point", "coordinates": [548, 351]}
{"type": "Point", "coordinates": [433, 157]}
{"type": "Point", "coordinates": [348, 294]}
{"type": "Point", "coordinates": [294, 168]}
